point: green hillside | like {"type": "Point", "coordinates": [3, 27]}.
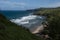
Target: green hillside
{"type": "Point", "coordinates": [53, 19]}
{"type": "Point", "coordinates": [11, 31]}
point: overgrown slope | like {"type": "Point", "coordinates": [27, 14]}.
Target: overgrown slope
{"type": "Point", "coordinates": [11, 31]}
{"type": "Point", "coordinates": [53, 19]}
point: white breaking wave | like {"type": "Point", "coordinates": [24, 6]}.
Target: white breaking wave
{"type": "Point", "coordinates": [26, 20]}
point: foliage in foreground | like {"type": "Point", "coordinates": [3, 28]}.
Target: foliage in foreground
{"type": "Point", "coordinates": [11, 31]}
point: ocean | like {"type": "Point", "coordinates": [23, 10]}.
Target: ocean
{"type": "Point", "coordinates": [15, 14]}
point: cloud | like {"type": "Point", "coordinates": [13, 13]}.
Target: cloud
{"type": "Point", "coordinates": [12, 5]}
{"type": "Point", "coordinates": [54, 4]}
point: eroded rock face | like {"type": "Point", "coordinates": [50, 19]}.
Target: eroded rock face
{"type": "Point", "coordinates": [37, 29]}
{"type": "Point", "coordinates": [42, 31]}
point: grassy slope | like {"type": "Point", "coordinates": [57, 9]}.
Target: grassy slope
{"type": "Point", "coordinates": [10, 31]}
{"type": "Point", "coordinates": [53, 18]}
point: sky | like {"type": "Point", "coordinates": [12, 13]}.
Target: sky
{"type": "Point", "coordinates": [27, 4]}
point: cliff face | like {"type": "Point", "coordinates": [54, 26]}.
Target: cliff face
{"type": "Point", "coordinates": [53, 17]}
{"type": "Point", "coordinates": [11, 31]}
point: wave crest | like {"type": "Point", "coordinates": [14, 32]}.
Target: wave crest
{"type": "Point", "coordinates": [27, 20]}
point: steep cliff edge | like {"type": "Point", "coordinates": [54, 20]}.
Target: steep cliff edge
{"type": "Point", "coordinates": [53, 19]}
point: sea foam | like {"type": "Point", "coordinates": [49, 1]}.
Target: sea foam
{"type": "Point", "coordinates": [26, 20]}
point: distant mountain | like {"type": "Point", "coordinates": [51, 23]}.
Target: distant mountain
{"type": "Point", "coordinates": [11, 31]}
{"type": "Point", "coordinates": [46, 11]}
{"type": "Point", "coordinates": [42, 8]}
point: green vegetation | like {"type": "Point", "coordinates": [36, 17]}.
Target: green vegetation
{"type": "Point", "coordinates": [53, 19]}
{"type": "Point", "coordinates": [11, 31]}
